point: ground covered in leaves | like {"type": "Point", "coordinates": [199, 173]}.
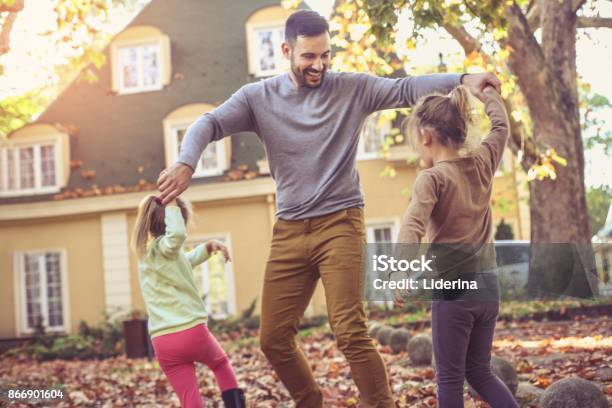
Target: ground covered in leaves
{"type": "Point", "coordinates": [543, 352]}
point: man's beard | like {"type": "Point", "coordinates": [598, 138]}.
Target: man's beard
{"type": "Point", "coordinates": [303, 79]}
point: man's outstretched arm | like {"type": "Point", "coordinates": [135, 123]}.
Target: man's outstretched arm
{"type": "Point", "coordinates": [386, 93]}
{"type": "Point", "coordinates": [233, 116]}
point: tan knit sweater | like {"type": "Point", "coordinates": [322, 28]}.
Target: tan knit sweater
{"type": "Point", "coordinates": [451, 200]}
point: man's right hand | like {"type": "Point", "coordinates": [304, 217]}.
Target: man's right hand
{"type": "Point", "coordinates": [173, 181]}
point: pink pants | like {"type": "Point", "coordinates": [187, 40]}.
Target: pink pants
{"type": "Point", "coordinates": [177, 352]}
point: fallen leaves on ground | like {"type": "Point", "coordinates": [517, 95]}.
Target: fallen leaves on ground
{"type": "Point", "coordinates": [542, 352]}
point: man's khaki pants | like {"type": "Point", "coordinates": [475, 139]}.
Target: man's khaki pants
{"type": "Point", "coordinates": [329, 247]}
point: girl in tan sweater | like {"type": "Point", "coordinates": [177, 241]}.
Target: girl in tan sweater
{"type": "Point", "coordinates": [450, 204]}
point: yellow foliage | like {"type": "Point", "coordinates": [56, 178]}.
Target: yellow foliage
{"type": "Point", "coordinates": [388, 171]}
{"type": "Point", "coordinates": [545, 167]}
{"type": "Point", "coordinates": [290, 4]}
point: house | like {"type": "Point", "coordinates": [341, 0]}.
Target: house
{"type": "Point", "coordinates": [71, 181]}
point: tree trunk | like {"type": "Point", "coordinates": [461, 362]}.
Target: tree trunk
{"type": "Point", "coordinates": [562, 260]}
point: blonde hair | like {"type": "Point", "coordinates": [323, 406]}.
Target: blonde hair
{"type": "Point", "coordinates": [450, 116]}
{"type": "Point", "coordinates": [151, 223]}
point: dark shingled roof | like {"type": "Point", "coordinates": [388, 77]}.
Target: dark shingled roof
{"type": "Point", "coordinates": [119, 133]}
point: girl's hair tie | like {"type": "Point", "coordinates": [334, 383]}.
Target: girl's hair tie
{"type": "Point", "coordinates": [158, 201]}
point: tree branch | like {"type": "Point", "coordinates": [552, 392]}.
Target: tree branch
{"type": "Point", "coordinates": [526, 59]}
{"type": "Point", "coordinates": [7, 24]}
{"type": "Point", "coordinates": [594, 22]}
{"type": "Point", "coordinates": [517, 130]}
{"type": "Point", "coordinates": [533, 16]}
{"type": "Point", "coordinates": [467, 42]}
{"type": "Point", "coordinates": [5, 34]}
{"type": "Point", "coordinates": [577, 5]}
{"type": "Point", "coordinates": [15, 7]}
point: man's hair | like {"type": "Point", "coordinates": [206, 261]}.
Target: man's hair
{"type": "Point", "coordinates": [307, 23]}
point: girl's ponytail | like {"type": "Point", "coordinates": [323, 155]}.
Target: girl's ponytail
{"type": "Point", "coordinates": [450, 116]}
{"type": "Point", "coordinates": [150, 219]}
{"type": "Point", "coordinates": [460, 99]}
{"type": "Point", "coordinates": [151, 222]}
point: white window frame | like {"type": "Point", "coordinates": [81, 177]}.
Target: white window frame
{"type": "Point", "coordinates": [381, 132]}
{"type": "Point", "coordinates": [38, 188]}
{"type": "Point", "coordinates": [225, 238]}
{"type": "Point", "coordinates": [21, 316]}
{"type": "Point", "coordinates": [282, 64]}
{"type": "Point", "coordinates": [122, 90]}
{"type": "Point", "coordinates": [200, 171]}
{"type": "Point", "coordinates": [373, 224]}
{"type": "Point", "coordinates": [383, 222]}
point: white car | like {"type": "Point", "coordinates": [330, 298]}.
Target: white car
{"type": "Point", "coordinates": [513, 266]}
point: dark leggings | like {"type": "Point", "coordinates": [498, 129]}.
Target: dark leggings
{"type": "Point", "coordinates": [462, 338]}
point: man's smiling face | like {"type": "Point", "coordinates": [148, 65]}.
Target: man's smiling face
{"type": "Point", "coordinates": [309, 58]}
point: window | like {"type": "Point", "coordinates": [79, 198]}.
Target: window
{"type": "Point", "coordinates": [215, 282]}
{"type": "Point", "coordinates": [26, 169]}
{"type": "Point", "coordinates": [265, 31]}
{"type": "Point", "coordinates": [34, 159]}
{"type": "Point", "coordinates": [379, 236]}
{"type": "Point", "coordinates": [42, 282]}
{"type": "Point", "coordinates": [140, 60]}
{"type": "Point", "coordinates": [268, 51]}
{"type": "Point", "coordinates": [372, 137]}
{"type": "Point", "coordinates": [213, 161]}
{"type": "Point", "coordinates": [139, 68]}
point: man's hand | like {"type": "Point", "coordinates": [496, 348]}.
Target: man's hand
{"type": "Point", "coordinates": [476, 83]}
{"type": "Point", "coordinates": [214, 246]}
{"type": "Point", "coordinates": [173, 181]}
{"type": "Point", "coordinates": [399, 295]}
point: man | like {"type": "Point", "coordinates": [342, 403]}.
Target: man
{"type": "Point", "coordinates": [309, 121]}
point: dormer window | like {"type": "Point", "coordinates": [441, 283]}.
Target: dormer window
{"type": "Point", "coordinates": [34, 160]}
{"type": "Point", "coordinates": [265, 31]}
{"type": "Point", "coordinates": [139, 68]}
{"type": "Point", "coordinates": [140, 60]}
{"type": "Point", "coordinates": [269, 59]}
{"type": "Point", "coordinates": [215, 159]}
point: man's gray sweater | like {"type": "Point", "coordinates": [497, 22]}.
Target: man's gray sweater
{"type": "Point", "coordinates": [310, 134]}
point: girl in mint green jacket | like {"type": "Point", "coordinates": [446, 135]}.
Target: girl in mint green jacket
{"type": "Point", "coordinates": [177, 316]}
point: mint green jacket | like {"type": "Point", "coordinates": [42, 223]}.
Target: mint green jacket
{"type": "Point", "coordinates": [167, 282]}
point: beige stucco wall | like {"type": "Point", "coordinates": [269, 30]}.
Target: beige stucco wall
{"type": "Point", "coordinates": [80, 238]}
{"type": "Point", "coordinates": [248, 221]}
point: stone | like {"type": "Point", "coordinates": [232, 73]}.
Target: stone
{"type": "Point", "coordinates": [384, 335]}
{"type": "Point", "coordinates": [399, 340]}
{"type": "Point", "coordinates": [373, 329]}
{"type": "Point", "coordinates": [505, 371]}
{"type": "Point", "coordinates": [420, 349]}
{"type": "Point", "coordinates": [573, 392]}
{"type": "Point", "coordinates": [527, 394]}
